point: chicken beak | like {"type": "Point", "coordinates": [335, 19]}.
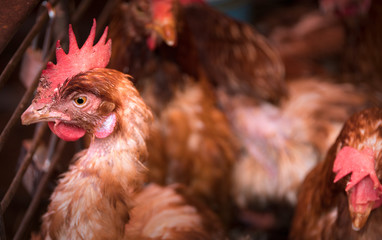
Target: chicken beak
{"type": "Point", "coordinates": [39, 113]}
{"type": "Point", "coordinates": [168, 33]}
{"type": "Point", "coordinates": [166, 30]}
{"type": "Point", "coordinates": [359, 219]}
{"type": "Point", "coordinates": [359, 212]}
{"type": "Point", "coordinates": [164, 19]}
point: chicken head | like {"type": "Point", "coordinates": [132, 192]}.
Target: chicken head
{"type": "Point", "coordinates": [69, 113]}
{"type": "Point", "coordinates": [363, 189]}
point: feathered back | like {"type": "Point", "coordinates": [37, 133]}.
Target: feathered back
{"type": "Point", "coordinates": [248, 64]}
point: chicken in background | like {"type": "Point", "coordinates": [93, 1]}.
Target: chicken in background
{"type": "Point", "coordinates": [191, 142]}
{"type": "Point", "coordinates": [361, 58]}
{"type": "Point", "coordinates": [346, 7]}
{"type": "Point", "coordinates": [340, 197]}
{"type": "Point", "coordinates": [312, 45]}
{"type": "Point", "coordinates": [102, 195]}
{"type": "Point", "coordinates": [308, 41]}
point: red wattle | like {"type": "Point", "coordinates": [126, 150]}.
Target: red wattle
{"type": "Point", "coordinates": [364, 191]}
{"type": "Point", "coordinates": [66, 132]}
{"type": "Point", "coordinates": [151, 42]}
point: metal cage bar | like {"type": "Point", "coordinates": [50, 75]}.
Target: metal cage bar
{"type": "Point", "coordinates": [20, 173]}
{"type": "Point", "coordinates": [42, 19]}
{"type": "Point", "coordinates": [2, 226]}
{"type": "Point", "coordinates": [39, 192]}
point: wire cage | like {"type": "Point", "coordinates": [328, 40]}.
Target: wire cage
{"type": "Point", "coordinates": [29, 31]}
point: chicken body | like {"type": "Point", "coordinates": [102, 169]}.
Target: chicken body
{"type": "Point", "coordinates": [94, 199]}
{"type": "Point", "coordinates": [191, 142]}
{"type": "Point", "coordinates": [282, 143]}
{"type": "Point", "coordinates": [234, 55]}
{"type": "Point", "coordinates": [324, 209]}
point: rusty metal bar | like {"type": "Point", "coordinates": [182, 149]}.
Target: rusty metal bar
{"type": "Point", "coordinates": [39, 192]}
{"type": "Point", "coordinates": [25, 99]}
{"type": "Point", "coordinates": [24, 165]}
{"type": "Point", "coordinates": [41, 20]}
{"type": "Point", "coordinates": [17, 113]}
{"type": "Point", "coordinates": [12, 14]}
{"type": "Point", "coordinates": [2, 226]}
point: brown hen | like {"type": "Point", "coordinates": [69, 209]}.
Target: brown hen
{"type": "Point", "coordinates": [101, 196]}
{"type": "Point", "coordinates": [340, 197]}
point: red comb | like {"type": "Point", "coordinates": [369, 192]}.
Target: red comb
{"type": "Point", "coordinates": [76, 61]}
{"type": "Point", "coordinates": [359, 163]}
{"type": "Point", "coordinates": [161, 9]}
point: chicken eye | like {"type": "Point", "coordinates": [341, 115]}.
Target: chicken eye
{"type": "Point", "coordinates": [80, 101]}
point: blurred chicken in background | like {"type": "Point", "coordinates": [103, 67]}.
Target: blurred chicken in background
{"type": "Point", "coordinates": [191, 141]}
{"type": "Point", "coordinates": [341, 196]}
{"type": "Point", "coordinates": [361, 58]}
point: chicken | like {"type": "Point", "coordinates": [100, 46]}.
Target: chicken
{"type": "Point", "coordinates": [101, 196]}
{"type": "Point", "coordinates": [346, 7]}
{"type": "Point", "coordinates": [361, 61]}
{"type": "Point", "coordinates": [340, 197]}
{"type": "Point", "coordinates": [312, 45]}
{"type": "Point", "coordinates": [192, 142]}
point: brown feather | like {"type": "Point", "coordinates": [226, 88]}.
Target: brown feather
{"type": "Point", "coordinates": [163, 212]}
{"type": "Point", "coordinates": [248, 64]}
